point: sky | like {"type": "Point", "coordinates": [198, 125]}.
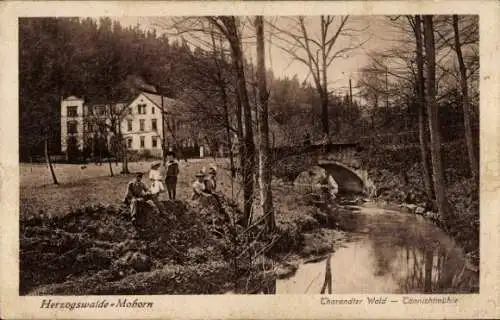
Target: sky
{"type": "Point", "coordinates": [370, 30]}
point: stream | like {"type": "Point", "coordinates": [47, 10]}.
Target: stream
{"type": "Point", "coordinates": [387, 252]}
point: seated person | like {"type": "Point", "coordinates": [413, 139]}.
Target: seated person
{"type": "Point", "coordinates": [199, 189]}
{"type": "Point", "coordinates": [136, 191]}
{"type": "Point", "coordinates": [210, 180]}
{"type": "Point", "coordinates": [157, 186]}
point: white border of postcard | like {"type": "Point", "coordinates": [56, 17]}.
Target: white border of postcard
{"type": "Point", "coordinates": [486, 304]}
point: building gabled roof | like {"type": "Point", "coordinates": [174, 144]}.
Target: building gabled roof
{"type": "Point", "coordinates": [169, 105]}
{"type": "Point", "coordinates": [72, 98]}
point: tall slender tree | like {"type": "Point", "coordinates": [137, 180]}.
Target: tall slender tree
{"type": "Point", "coordinates": [432, 111]}
{"type": "Point", "coordinates": [266, 198]}
{"type": "Point", "coordinates": [318, 54]}
{"type": "Point", "coordinates": [474, 164]}
{"type": "Point", "coordinates": [420, 85]}
{"type": "Point", "coordinates": [228, 26]}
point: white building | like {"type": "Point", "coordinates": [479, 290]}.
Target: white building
{"type": "Point", "coordinates": [72, 121]}
{"type": "Point", "coordinates": [143, 123]}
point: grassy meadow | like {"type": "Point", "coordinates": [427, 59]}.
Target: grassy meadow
{"type": "Point", "coordinates": [80, 186]}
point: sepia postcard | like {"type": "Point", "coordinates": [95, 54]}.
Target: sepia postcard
{"type": "Point", "coordinates": [239, 159]}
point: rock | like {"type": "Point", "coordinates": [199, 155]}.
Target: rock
{"type": "Point", "coordinates": [419, 210]}
{"type": "Point", "coordinates": [135, 260]}
{"type": "Point", "coordinates": [311, 179]}
{"type": "Point", "coordinates": [355, 164]}
{"type": "Point", "coordinates": [411, 207]}
{"type": "Point", "coordinates": [430, 214]}
{"type": "Point", "coordinates": [140, 262]}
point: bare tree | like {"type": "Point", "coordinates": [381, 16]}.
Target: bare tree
{"type": "Point", "coordinates": [318, 54]}
{"type": "Point", "coordinates": [228, 26]}
{"type": "Point", "coordinates": [432, 111]}
{"type": "Point", "coordinates": [420, 85]}
{"type": "Point", "coordinates": [49, 162]}
{"type": "Point", "coordinates": [108, 122]}
{"type": "Point", "coordinates": [474, 164]}
{"type": "Point", "coordinates": [266, 199]}
{"type": "Point", "coordinates": [221, 81]}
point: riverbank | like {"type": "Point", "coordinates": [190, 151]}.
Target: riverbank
{"type": "Point", "coordinates": [390, 251]}
{"type": "Point", "coordinates": [189, 249]}
{"type": "Point", "coordinates": [398, 178]}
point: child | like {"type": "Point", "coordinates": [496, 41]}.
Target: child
{"type": "Point", "coordinates": [172, 168]}
{"type": "Point", "coordinates": [199, 186]}
{"type": "Point", "coordinates": [156, 185]}
{"type": "Point", "coordinates": [210, 180]}
{"type": "Point", "coordinates": [155, 172]}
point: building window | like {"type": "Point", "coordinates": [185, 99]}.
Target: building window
{"type": "Point", "coordinates": [143, 141]}
{"type": "Point", "coordinates": [129, 143]}
{"type": "Point", "coordinates": [153, 125]}
{"type": "Point", "coordinates": [152, 110]}
{"type": "Point", "coordinates": [99, 110]}
{"type": "Point", "coordinates": [129, 110]}
{"type": "Point", "coordinates": [141, 124]}
{"type": "Point", "coordinates": [154, 142]}
{"type": "Point", "coordinates": [141, 108]}
{"type": "Point", "coordinates": [72, 111]}
{"type": "Point", "coordinates": [90, 110]}
{"type": "Point", "coordinates": [129, 125]}
{"type": "Point", "coordinates": [72, 127]}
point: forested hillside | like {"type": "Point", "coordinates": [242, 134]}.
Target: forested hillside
{"type": "Point", "coordinates": [103, 62]}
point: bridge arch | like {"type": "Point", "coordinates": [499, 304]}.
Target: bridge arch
{"type": "Point", "coordinates": [347, 179]}
{"type": "Point", "coordinates": [340, 160]}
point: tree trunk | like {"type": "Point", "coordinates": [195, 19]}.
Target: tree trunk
{"type": "Point", "coordinates": [239, 120]}
{"type": "Point", "coordinates": [474, 164]}
{"type": "Point", "coordinates": [324, 84]}
{"type": "Point", "coordinates": [110, 163]}
{"type": "Point", "coordinates": [228, 132]}
{"type": "Point", "coordinates": [432, 112]}
{"type": "Point", "coordinates": [248, 156]}
{"type": "Point", "coordinates": [49, 162]}
{"type": "Point", "coordinates": [266, 199]}
{"type": "Point", "coordinates": [421, 110]}
{"type": "Point", "coordinates": [223, 93]}
{"type": "Point", "coordinates": [324, 113]}
{"type": "Point", "coordinates": [123, 151]}
{"type": "Point", "coordinates": [125, 162]}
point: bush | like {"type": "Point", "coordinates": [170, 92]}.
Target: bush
{"type": "Point", "coordinates": [289, 168]}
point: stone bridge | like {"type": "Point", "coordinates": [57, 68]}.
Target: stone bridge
{"type": "Point", "coordinates": [340, 160]}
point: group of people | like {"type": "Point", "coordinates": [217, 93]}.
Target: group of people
{"type": "Point", "coordinates": [137, 191]}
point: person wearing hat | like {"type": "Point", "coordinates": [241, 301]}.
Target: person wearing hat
{"type": "Point", "coordinates": [172, 171]}
{"type": "Point", "coordinates": [210, 182]}
{"type": "Point", "coordinates": [199, 186]}
{"type": "Point", "coordinates": [136, 191]}
{"type": "Point", "coordinates": [156, 185]}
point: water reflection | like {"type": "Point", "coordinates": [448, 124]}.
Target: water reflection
{"type": "Point", "coordinates": [394, 253]}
